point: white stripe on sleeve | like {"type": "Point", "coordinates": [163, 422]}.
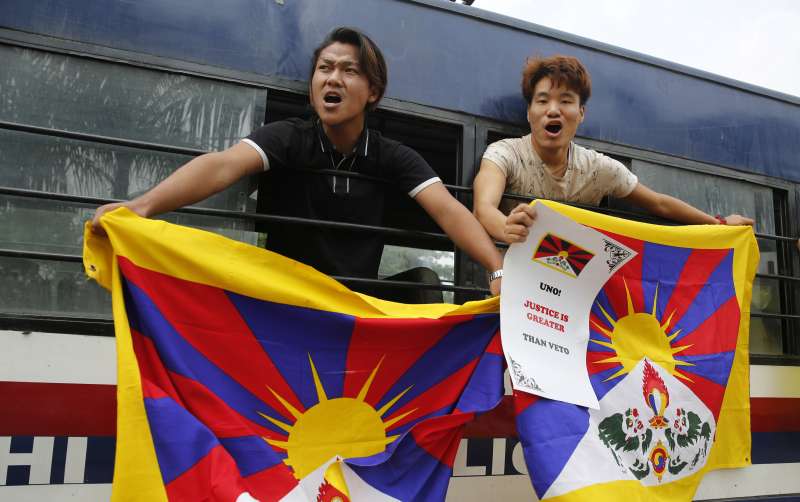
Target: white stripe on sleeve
{"type": "Point", "coordinates": [422, 186]}
{"type": "Point", "coordinates": [264, 159]}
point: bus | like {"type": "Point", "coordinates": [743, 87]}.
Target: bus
{"type": "Point", "coordinates": [101, 99]}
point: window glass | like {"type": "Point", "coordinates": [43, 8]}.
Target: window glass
{"type": "Point", "coordinates": [57, 227]}
{"type": "Point", "coordinates": [51, 164]}
{"type": "Point", "coordinates": [712, 194]}
{"type": "Point", "coordinates": [50, 288]}
{"type": "Point", "coordinates": [97, 97]}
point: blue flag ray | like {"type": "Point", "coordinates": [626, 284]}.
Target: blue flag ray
{"type": "Point", "coordinates": [715, 367]}
{"type": "Point", "coordinates": [289, 335]}
{"type": "Point", "coordinates": [661, 268]}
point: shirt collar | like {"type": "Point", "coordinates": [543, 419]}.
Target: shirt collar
{"type": "Point", "coordinates": [362, 145]}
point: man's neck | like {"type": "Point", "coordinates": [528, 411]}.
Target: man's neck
{"type": "Point", "coordinates": [344, 137]}
{"type": "Point", "coordinates": [555, 159]}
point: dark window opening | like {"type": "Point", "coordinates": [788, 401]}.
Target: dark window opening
{"type": "Point", "coordinates": [438, 143]}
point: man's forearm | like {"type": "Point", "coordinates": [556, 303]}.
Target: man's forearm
{"type": "Point", "coordinates": [677, 210]}
{"type": "Point", "coordinates": [469, 235]}
{"type": "Point", "coordinates": [493, 220]}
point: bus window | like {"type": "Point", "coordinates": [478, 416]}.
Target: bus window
{"type": "Point", "coordinates": [78, 126]}
{"type": "Point", "coordinates": [439, 143]}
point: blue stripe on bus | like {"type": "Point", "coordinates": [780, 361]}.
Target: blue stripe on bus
{"type": "Point", "coordinates": [776, 447]}
{"type": "Point", "coordinates": [768, 448]}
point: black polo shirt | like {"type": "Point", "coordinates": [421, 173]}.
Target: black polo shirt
{"type": "Point", "coordinates": [289, 148]}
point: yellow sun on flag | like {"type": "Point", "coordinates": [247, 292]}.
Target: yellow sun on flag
{"type": "Point", "coordinates": [638, 335]}
{"type": "Point", "coordinates": [344, 426]}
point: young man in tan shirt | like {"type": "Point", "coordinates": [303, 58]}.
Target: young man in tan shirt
{"type": "Point", "coordinates": [547, 164]}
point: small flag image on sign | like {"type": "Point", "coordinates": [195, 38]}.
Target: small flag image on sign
{"type": "Point", "coordinates": [561, 255]}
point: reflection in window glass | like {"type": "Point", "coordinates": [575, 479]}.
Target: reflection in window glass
{"type": "Point", "coordinates": [765, 336]}
{"type": "Point", "coordinates": [50, 164]}
{"type": "Point", "coordinates": [113, 100]}
{"type": "Point", "coordinates": [84, 95]}
{"type": "Point", "coordinates": [397, 259]}
{"type": "Point", "coordinates": [712, 194]}
{"type": "Point", "coordinates": [57, 227]}
{"type": "Point", "coordinates": [50, 288]}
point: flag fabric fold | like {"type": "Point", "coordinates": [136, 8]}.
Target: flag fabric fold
{"type": "Point", "coordinates": [243, 375]}
{"type": "Point", "coordinates": [668, 361]}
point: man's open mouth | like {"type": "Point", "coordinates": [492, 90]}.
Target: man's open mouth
{"type": "Point", "coordinates": [553, 128]}
{"type": "Point", "coordinates": [332, 98]}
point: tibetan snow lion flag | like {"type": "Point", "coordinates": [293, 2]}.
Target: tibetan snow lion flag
{"type": "Point", "coordinates": [668, 360]}
{"type": "Point", "coordinates": [243, 375]}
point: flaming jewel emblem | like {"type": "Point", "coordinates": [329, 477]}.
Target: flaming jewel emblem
{"type": "Point", "coordinates": [656, 396]}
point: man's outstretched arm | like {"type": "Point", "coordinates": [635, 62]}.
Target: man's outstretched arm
{"type": "Point", "coordinates": [666, 206]}
{"type": "Point", "coordinates": [196, 180]}
{"type": "Point", "coordinates": [459, 224]}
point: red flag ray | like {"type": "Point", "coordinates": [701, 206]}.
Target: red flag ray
{"type": "Point", "coordinates": [205, 317]}
{"type": "Point", "coordinates": [155, 378]}
{"type": "Point", "coordinates": [594, 366]}
{"type": "Point", "coordinates": [709, 337]}
{"type": "Point", "coordinates": [444, 393]}
{"type": "Point", "coordinates": [709, 392]}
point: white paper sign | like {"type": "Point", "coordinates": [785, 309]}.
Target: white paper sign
{"type": "Point", "coordinates": [550, 282]}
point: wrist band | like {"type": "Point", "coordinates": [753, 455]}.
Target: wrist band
{"type": "Point", "coordinates": [721, 219]}
{"type": "Point", "coordinates": [496, 274]}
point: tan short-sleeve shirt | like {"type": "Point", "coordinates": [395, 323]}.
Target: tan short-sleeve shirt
{"type": "Point", "coordinates": [589, 176]}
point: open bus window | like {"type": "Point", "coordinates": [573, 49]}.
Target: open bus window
{"type": "Point", "coordinates": [439, 144]}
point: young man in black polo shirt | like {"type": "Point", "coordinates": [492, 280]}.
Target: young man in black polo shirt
{"type": "Point", "coordinates": [348, 78]}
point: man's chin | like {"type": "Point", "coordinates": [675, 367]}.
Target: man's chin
{"type": "Point", "coordinates": [550, 143]}
{"type": "Point", "coordinates": [334, 120]}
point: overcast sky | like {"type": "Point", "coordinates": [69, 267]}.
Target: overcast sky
{"type": "Point", "coordinates": [755, 42]}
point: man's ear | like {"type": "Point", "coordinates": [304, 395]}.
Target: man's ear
{"type": "Point", "coordinates": [373, 95]}
{"type": "Point", "coordinates": [582, 112]}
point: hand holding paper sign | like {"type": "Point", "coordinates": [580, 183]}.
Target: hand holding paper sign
{"type": "Point", "coordinates": [552, 276]}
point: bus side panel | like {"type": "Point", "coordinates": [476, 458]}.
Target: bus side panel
{"type": "Point", "coordinates": [58, 423]}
